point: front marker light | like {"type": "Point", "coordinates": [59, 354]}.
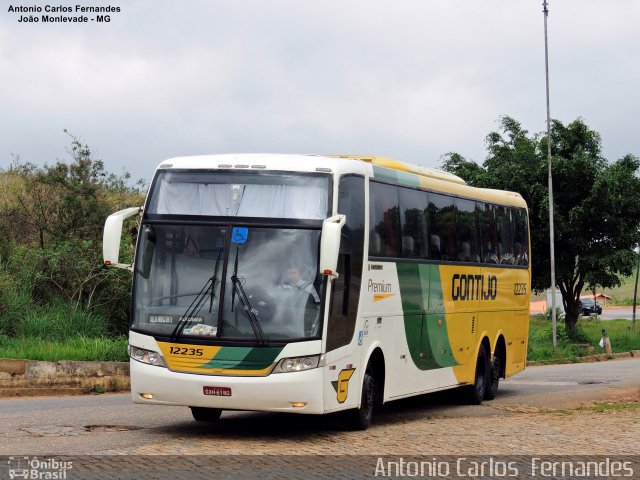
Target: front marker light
{"type": "Point", "coordinates": [146, 356]}
{"type": "Point", "coordinates": [297, 364]}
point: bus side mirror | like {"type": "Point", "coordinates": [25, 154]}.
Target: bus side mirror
{"type": "Point", "coordinates": [330, 244]}
{"type": "Point", "coordinates": [111, 237]}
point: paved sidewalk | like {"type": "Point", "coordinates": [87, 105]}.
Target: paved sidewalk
{"type": "Point", "coordinates": [408, 428]}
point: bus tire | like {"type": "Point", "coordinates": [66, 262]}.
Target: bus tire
{"type": "Point", "coordinates": [360, 418]}
{"type": "Point", "coordinates": [201, 414]}
{"type": "Point", "coordinates": [476, 392]}
{"type": "Point", "coordinates": [494, 378]}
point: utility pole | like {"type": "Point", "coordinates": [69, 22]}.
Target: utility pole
{"type": "Point", "coordinates": [635, 290]}
{"type": "Point", "coordinates": [552, 254]}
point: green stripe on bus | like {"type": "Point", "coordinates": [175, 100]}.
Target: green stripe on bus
{"type": "Point", "coordinates": [259, 358]}
{"type": "Point", "coordinates": [396, 176]}
{"type": "Point", "coordinates": [439, 340]}
{"type": "Point", "coordinates": [414, 287]}
{"type": "Point", "coordinates": [244, 358]}
{"type": "Point", "coordinates": [424, 319]}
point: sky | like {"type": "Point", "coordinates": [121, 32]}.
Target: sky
{"type": "Point", "coordinates": [407, 79]}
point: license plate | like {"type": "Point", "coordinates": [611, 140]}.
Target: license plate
{"type": "Point", "coordinates": [217, 391]}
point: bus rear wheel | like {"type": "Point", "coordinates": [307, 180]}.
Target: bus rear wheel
{"type": "Point", "coordinates": [476, 392]}
{"type": "Point", "coordinates": [494, 378]}
{"type": "Point", "coordinates": [360, 418]}
{"type": "Point", "coordinates": [201, 414]}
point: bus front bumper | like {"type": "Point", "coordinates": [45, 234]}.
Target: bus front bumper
{"type": "Point", "coordinates": [294, 392]}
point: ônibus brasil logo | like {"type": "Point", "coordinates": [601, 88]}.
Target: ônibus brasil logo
{"type": "Point", "coordinates": [35, 468]}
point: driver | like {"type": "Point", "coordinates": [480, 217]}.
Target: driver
{"type": "Point", "coordinates": [294, 281]}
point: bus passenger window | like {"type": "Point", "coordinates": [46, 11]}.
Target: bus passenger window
{"type": "Point", "coordinates": [375, 244]}
{"type": "Point", "coordinates": [408, 247]}
{"type": "Point", "coordinates": [384, 218]}
{"type": "Point", "coordinates": [521, 236]}
{"type": "Point", "coordinates": [466, 231]}
{"type": "Point", "coordinates": [442, 224]}
{"type": "Point", "coordinates": [487, 223]}
{"type": "Point", "coordinates": [505, 235]}
{"type": "Point", "coordinates": [413, 207]}
{"type": "Point", "coordinates": [435, 252]}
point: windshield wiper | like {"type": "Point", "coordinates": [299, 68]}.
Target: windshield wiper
{"type": "Point", "coordinates": [200, 299]}
{"type": "Point", "coordinates": [242, 295]}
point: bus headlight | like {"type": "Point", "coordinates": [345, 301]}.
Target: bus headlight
{"type": "Point", "coordinates": [297, 364]}
{"type": "Point", "coordinates": [146, 356]}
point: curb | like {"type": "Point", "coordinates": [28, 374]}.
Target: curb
{"type": "Point", "coordinates": [602, 357]}
{"type": "Point", "coordinates": [37, 378]}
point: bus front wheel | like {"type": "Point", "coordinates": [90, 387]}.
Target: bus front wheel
{"type": "Point", "coordinates": [360, 418]}
{"type": "Point", "coordinates": [476, 392]}
{"type": "Point", "coordinates": [201, 414]}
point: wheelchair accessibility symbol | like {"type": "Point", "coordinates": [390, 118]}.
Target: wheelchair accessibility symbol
{"type": "Point", "coordinates": [239, 235]}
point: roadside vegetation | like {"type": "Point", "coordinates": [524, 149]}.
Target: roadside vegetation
{"type": "Point", "coordinates": [56, 300]}
{"type": "Point", "coordinates": [623, 294]}
{"type": "Point", "coordinates": [55, 335]}
{"type": "Point", "coordinates": [578, 342]}
{"type": "Point", "coordinates": [72, 348]}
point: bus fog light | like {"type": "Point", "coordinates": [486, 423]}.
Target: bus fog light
{"type": "Point", "coordinates": [147, 396]}
{"type": "Point", "coordinates": [297, 364]}
{"type": "Point", "coordinates": [146, 356]}
{"type": "Point", "coordinates": [298, 404]}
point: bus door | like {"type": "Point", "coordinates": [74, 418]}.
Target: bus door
{"type": "Point", "coordinates": [342, 361]}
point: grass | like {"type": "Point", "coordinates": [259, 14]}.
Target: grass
{"type": "Point", "coordinates": [605, 407]}
{"type": "Point", "coordinates": [597, 407]}
{"type": "Point", "coordinates": [623, 337]}
{"type": "Point", "coordinates": [60, 322]}
{"type": "Point", "coordinates": [622, 295]}
{"type": "Point", "coordinates": [73, 348]}
{"type": "Point", "coordinates": [53, 332]}
{"type": "Point", "coordinates": [581, 342]}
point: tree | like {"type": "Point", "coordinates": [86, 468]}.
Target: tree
{"type": "Point", "coordinates": [52, 218]}
{"type": "Point", "coordinates": [596, 203]}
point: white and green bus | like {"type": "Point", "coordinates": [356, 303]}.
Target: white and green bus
{"type": "Point", "coordinates": [314, 284]}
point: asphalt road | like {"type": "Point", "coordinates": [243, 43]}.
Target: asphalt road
{"type": "Point", "coordinates": [110, 422]}
{"type": "Point", "coordinates": [615, 313]}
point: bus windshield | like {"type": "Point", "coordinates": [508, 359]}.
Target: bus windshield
{"type": "Point", "coordinates": [223, 282]}
{"type": "Point", "coordinates": [250, 194]}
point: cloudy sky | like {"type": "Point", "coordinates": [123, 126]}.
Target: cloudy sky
{"type": "Point", "coordinates": [409, 79]}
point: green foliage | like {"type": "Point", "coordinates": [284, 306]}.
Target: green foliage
{"type": "Point", "coordinates": [52, 282]}
{"type": "Point", "coordinates": [76, 348]}
{"type": "Point", "coordinates": [115, 385]}
{"type": "Point", "coordinates": [59, 321]}
{"type": "Point", "coordinates": [559, 313]}
{"type": "Point", "coordinates": [621, 333]}
{"type": "Point", "coordinates": [608, 407]}
{"type": "Point", "coordinates": [579, 341]}
{"type": "Point", "coordinates": [569, 343]}
{"type": "Point", "coordinates": [596, 203]}
{"type": "Point", "coordinates": [15, 304]}
{"type": "Point", "coordinates": [98, 388]}
{"type": "Point", "coordinates": [473, 173]}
